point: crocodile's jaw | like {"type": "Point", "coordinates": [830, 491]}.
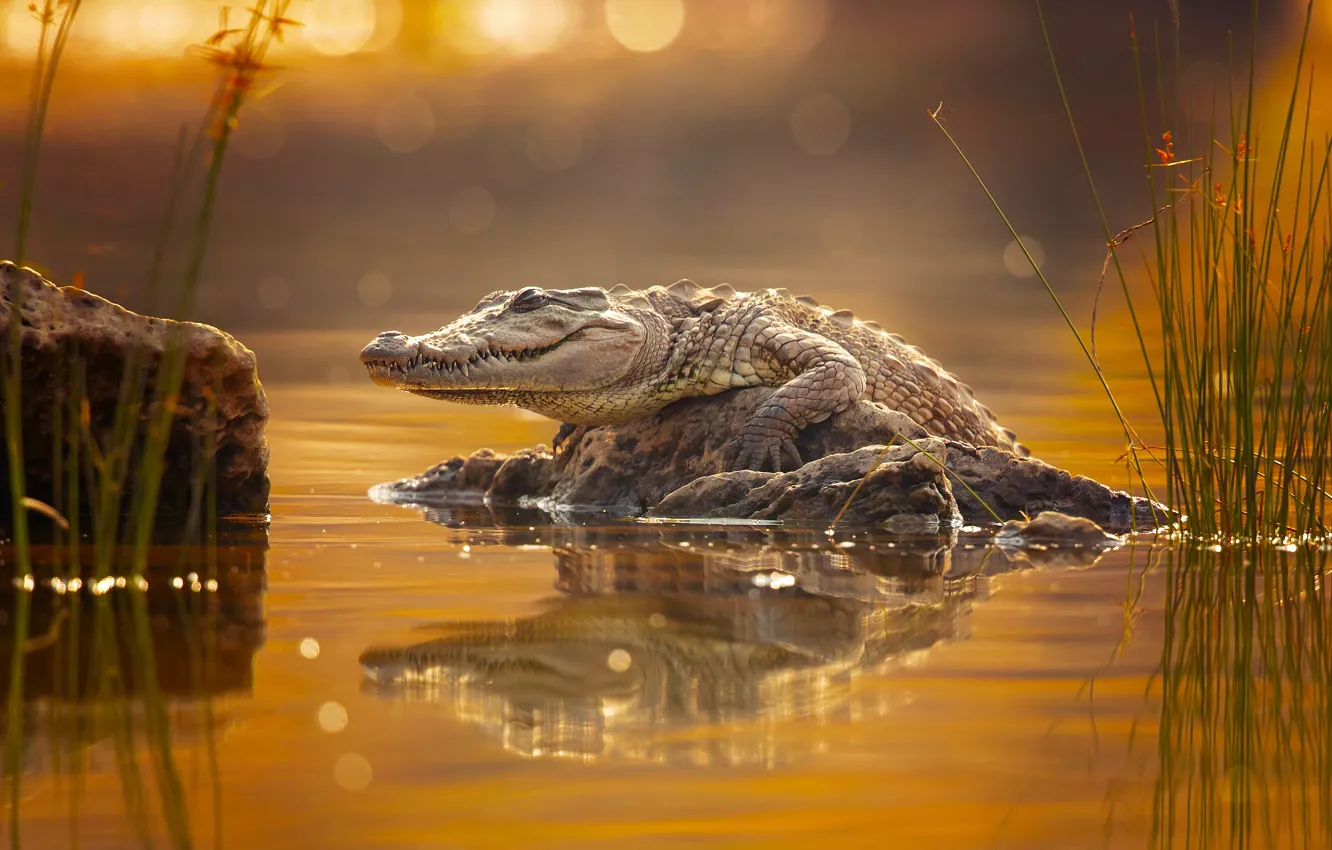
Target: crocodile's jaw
{"type": "Point", "coordinates": [494, 351]}
{"type": "Point", "coordinates": [446, 363]}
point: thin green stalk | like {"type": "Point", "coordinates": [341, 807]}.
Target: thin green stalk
{"type": "Point", "coordinates": [1129, 436]}
{"type": "Point", "coordinates": [43, 79]}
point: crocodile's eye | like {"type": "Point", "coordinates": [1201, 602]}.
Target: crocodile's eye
{"type": "Point", "coordinates": [529, 299]}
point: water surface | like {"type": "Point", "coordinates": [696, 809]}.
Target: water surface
{"type": "Point", "coordinates": [616, 684]}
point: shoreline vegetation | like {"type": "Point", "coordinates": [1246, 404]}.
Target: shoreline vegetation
{"type": "Point", "coordinates": [122, 465]}
{"type": "Point", "coordinates": [1236, 250]}
{"type": "Point", "coordinates": [1238, 262]}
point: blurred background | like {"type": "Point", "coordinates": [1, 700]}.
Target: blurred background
{"type": "Point", "coordinates": [416, 154]}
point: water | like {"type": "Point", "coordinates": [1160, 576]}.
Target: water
{"type": "Point", "coordinates": [630, 685]}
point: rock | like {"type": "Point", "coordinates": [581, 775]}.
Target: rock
{"type": "Point", "coordinates": [1053, 539]}
{"type": "Point", "coordinates": [522, 473]}
{"type": "Point", "coordinates": [483, 477]}
{"type": "Point", "coordinates": [670, 462]}
{"type": "Point", "coordinates": [1020, 487]}
{"type": "Point", "coordinates": [67, 326]}
{"type": "Point", "coordinates": [637, 463]}
{"type": "Point", "coordinates": [907, 486]}
{"type": "Point", "coordinates": [1051, 528]}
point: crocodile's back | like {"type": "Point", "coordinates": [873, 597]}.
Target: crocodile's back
{"type": "Point", "coordinates": [897, 374]}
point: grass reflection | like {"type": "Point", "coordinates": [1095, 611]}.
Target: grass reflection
{"type": "Point", "coordinates": [1246, 683]}
{"type": "Point", "coordinates": [121, 675]}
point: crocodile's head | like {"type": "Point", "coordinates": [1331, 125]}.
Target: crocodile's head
{"type": "Point", "coordinates": [552, 668]}
{"type": "Point", "coordinates": [513, 344]}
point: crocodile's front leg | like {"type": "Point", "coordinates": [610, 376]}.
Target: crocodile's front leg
{"type": "Point", "coordinates": [826, 380]}
{"type": "Point", "coordinates": [567, 437]}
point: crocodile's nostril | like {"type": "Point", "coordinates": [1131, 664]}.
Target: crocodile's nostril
{"type": "Point", "coordinates": [388, 349]}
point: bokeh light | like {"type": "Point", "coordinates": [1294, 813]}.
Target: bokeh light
{"type": "Point", "coordinates": [472, 210]}
{"type": "Point", "coordinates": [332, 717]}
{"type": "Point", "coordinates": [161, 27]}
{"type": "Point", "coordinates": [796, 25]}
{"type": "Point", "coordinates": [374, 289]}
{"type": "Point", "coordinates": [524, 26]}
{"type": "Point", "coordinates": [338, 27]}
{"type": "Point", "coordinates": [388, 24]}
{"type": "Point", "coordinates": [821, 124]}
{"type": "Point", "coordinates": [21, 28]}
{"type": "Point", "coordinates": [352, 772]}
{"type": "Point", "coordinates": [309, 648]}
{"type": "Point", "coordinates": [120, 28]}
{"type": "Point", "coordinates": [405, 123]}
{"type": "Point", "coordinates": [645, 25]}
{"type": "Point", "coordinates": [274, 293]}
{"type": "Point", "coordinates": [1016, 262]}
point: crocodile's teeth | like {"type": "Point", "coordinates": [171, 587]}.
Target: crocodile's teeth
{"type": "Point", "coordinates": [466, 370]}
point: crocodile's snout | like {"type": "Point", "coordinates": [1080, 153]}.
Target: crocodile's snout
{"type": "Point", "coordinates": [390, 347]}
{"type": "Point", "coordinates": [390, 352]}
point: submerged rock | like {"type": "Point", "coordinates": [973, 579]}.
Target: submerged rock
{"type": "Point", "coordinates": [1054, 539]}
{"type": "Point", "coordinates": [483, 477]}
{"type": "Point", "coordinates": [670, 463]}
{"type": "Point", "coordinates": [221, 400]}
{"type": "Point", "coordinates": [1051, 528]}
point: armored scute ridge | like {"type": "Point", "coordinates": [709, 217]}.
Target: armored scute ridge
{"type": "Point", "coordinates": [592, 356]}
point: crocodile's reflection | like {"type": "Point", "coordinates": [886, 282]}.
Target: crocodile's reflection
{"type": "Point", "coordinates": [672, 644]}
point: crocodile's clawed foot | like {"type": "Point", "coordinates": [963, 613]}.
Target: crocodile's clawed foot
{"type": "Point", "coordinates": [567, 437]}
{"type": "Point", "coordinates": [763, 453]}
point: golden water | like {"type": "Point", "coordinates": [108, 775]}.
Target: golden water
{"type": "Point", "coordinates": [1020, 711]}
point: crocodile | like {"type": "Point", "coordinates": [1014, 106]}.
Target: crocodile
{"type": "Point", "coordinates": [592, 356]}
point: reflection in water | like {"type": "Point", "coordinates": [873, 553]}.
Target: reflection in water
{"type": "Point", "coordinates": [120, 662]}
{"type": "Point", "coordinates": [684, 645]}
{"type": "Point", "coordinates": [1245, 735]}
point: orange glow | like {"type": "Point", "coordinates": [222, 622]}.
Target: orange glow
{"type": "Point", "coordinates": [645, 25]}
{"type": "Point", "coordinates": [339, 27]}
{"type": "Point", "coordinates": [20, 29]}
{"type": "Point", "coordinates": [524, 26]}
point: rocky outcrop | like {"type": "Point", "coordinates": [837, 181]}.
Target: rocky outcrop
{"type": "Point", "coordinates": [1021, 487]}
{"type": "Point", "coordinates": [670, 463]}
{"type": "Point", "coordinates": [483, 477]}
{"type": "Point", "coordinates": [907, 487]}
{"type": "Point", "coordinates": [68, 332]}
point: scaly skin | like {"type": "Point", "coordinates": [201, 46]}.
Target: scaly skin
{"type": "Point", "coordinates": [596, 357]}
